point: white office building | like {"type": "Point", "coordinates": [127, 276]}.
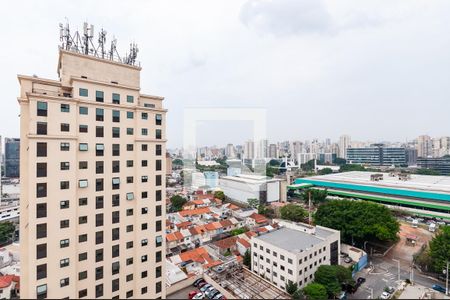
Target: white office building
{"type": "Point", "coordinates": [242, 187]}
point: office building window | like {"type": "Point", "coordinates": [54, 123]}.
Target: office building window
{"type": "Point", "coordinates": [115, 234]}
{"type": "Point", "coordinates": [116, 98]}
{"type": "Point", "coordinates": [65, 146]}
{"type": "Point", "coordinates": [64, 185]}
{"type": "Point", "coordinates": [41, 251]}
{"type": "Point", "coordinates": [99, 202]}
{"type": "Point", "coordinates": [82, 165]}
{"type": "Point", "coordinates": [41, 149]}
{"type": "Point", "coordinates": [99, 237]}
{"type": "Point", "coordinates": [115, 250]}
{"type": "Point", "coordinates": [116, 149]}
{"type": "Point", "coordinates": [82, 201]}
{"type": "Point", "coordinates": [83, 147]}
{"type": "Point", "coordinates": [144, 116]}
{"type": "Point", "coordinates": [63, 204]}
{"type": "Point", "coordinates": [99, 96]}
{"type": "Point", "coordinates": [158, 210]}
{"type": "Point", "coordinates": [82, 219]}
{"type": "Point", "coordinates": [130, 196]}
{"type": "Point", "coordinates": [99, 114]}
{"type": "Point", "coordinates": [41, 210]}
{"type": "Point", "coordinates": [158, 180]}
{"type": "Point", "coordinates": [115, 217]}
{"type": "Point", "coordinates": [116, 166]}
{"type": "Point", "coordinates": [144, 147]}
{"type": "Point", "coordinates": [144, 163]}
{"type": "Point", "coordinates": [158, 287]}
{"type": "Point", "coordinates": [144, 178]}
{"type": "Point", "coordinates": [83, 110]}
{"type": "Point", "coordinates": [98, 255]}
{"type": "Point", "coordinates": [64, 224]}
{"type": "Point", "coordinates": [99, 184]}
{"type": "Point", "coordinates": [41, 128]}
{"type": "Point", "coordinates": [158, 165]}
{"type": "Point", "coordinates": [130, 115]}
{"type": "Point", "coordinates": [99, 131]}
{"type": "Point", "coordinates": [99, 167]}
{"type": "Point", "coordinates": [41, 230]}
{"type": "Point", "coordinates": [158, 119]}
{"type": "Point", "coordinates": [82, 238]}
{"type": "Point", "coordinates": [64, 262]}
{"type": "Point", "coordinates": [65, 108]}
{"type": "Point", "coordinates": [115, 266]}
{"type": "Point", "coordinates": [130, 131]}
{"type": "Point", "coordinates": [115, 200]}
{"type": "Point", "coordinates": [130, 147]}
{"type": "Point", "coordinates": [158, 241]}
{"type": "Point", "coordinates": [144, 131]}
{"type": "Point", "coordinates": [41, 271]}
{"type": "Point", "coordinates": [41, 170]}
{"type": "Point", "coordinates": [158, 256]}
{"type": "Point", "coordinates": [116, 132]}
{"type": "Point", "coordinates": [99, 149]}
{"type": "Point", "coordinates": [158, 195]}
{"type": "Point", "coordinates": [66, 127]}
{"type": "Point", "coordinates": [158, 150]}
{"type": "Point", "coordinates": [83, 92]}
{"type": "Point", "coordinates": [82, 275]}
{"type": "Point", "coordinates": [158, 226]}
{"type": "Point", "coordinates": [42, 108]}
{"type": "Point", "coordinates": [41, 190]}
{"type": "Point", "coordinates": [83, 183]}
{"type": "Point", "coordinates": [129, 163]}
{"type": "Point", "coordinates": [130, 99]}
{"type": "Point", "coordinates": [116, 115]}
{"type": "Point", "coordinates": [115, 285]}
{"type": "Point", "coordinates": [41, 291]}
{"type": "Point", "coordinates": [129, 179]}
{"type": "Point", "coordinates": [64, 243]}
{"type": "Point", "coordinates": [64, 165]}
{"type": "Point", "coordinates": [99, 290]}
{"type": "Point", "coordinates": [158, 134]}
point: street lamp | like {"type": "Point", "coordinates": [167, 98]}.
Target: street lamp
{"type": "Point", "coordinates": [398, 265]}
{"type": "Point", "coordinates": [445, 271]}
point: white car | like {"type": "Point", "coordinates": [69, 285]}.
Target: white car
{"type": "Point", "coordinates": [198, 296]}
{"type": "Point", "coordinates": [385, 295]}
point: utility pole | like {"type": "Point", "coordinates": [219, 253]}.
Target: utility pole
{"type": "Point", "coordinates": [398, 265]}
{"type": "Point", "coordinates": [309, 207]}
{"type": "Point", "coordinates": [446, 279]}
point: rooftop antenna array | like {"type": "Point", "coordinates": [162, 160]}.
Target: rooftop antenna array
{"type": "Point", "coordinates": [84, 43]}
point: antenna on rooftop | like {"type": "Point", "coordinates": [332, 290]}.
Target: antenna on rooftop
{"type": "Point", "coordinates": [101, 42]}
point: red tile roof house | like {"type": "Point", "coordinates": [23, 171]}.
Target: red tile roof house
{"type": "Point", "coordinates": [9, 286]}
{"type": "Point", "coordinates": [242, 246]}
{"type": "Point", "coordinates": [256, 220]}
{"type": "Point", "coordinates": [227, 245]}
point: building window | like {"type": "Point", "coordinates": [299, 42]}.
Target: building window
{"type": "Point", "coordinates": [82, 183]}
{"type": "Point", "coordinates": [130, 196]}
{"type": "Point", "coordinates": [130, 131]}
{"type": "Point", "coordinates": [158, 195]}
{"type": "Point", "coordinates": [129, 179]}
{"type": "Point", "coordinates": [99, 237]}
{"type": "Point", "coordinates": [143, 290]}
{"type": "Point", "coordinates": [64, 185]}
{"type": "Point", "coordinates": [64, 262]}
{"type": "Point", "coordinates": [99, 96]}
{"type": "Point", "coordinates": [115, 251]}
{"type": "Point", "coordinates": [65, 127]}
{"type": "Point", "coordinates": [129, 228]}
{"type": "Point", "coordinates": [129, 245]}
{"type": "Point", "coordinates": [115, 266]}
{"type": "Point", "coordinates": [116, 98]}
{"type": "Point", "coordinates": [83, 147]}
{"type": "Point", "coordinates": [116, 166]}
{"type": "Point", "coordinates": [65, 146]}
{"type": "Point", "coordinates": [115, 217]}
{"type": "Point", "coordinates": [130, 115]}
{"type": "Point", "coordinates": [41, 170]}
{"type": "Point", "coordinates": [158, 180]}
{"type": "Point", "coordinates": [64, 243]}
{"type": "Point", "coordinates": [41, 251]}
{"type": "Point", "coordinates": [115, 234]}
{"type": "Point", "coordinates": [42, 108]}
{"type": "Point", "coordinates": [130, 294]}
{"type": "Point", "coordinates": [82, 165]}
{"type": "Point", "coordinates": [99, 290]}
{"type": "Point", "coordinates": [41, 230]}
{"type": "Point", "coordinates": [83, 110]}
{"type": "Point", "coordinates": [116, 149]}
{"type": "Point", "coordinates": [158, 119]}
{"type": "Point", "coordinates": [144, 242]}
{"type": "Point", "coordinates": [158, 210]}
{"type": "Point", "coordinates": [158, 287]}
{"type": "Point", "coordinates": [82, 275]}
{"type": "Point", "coordinates": [158, 257]}
{"type": "Point", "coordinates": [41, 291]}
{"type": "Point", "coordinates": [116, 115]}
{"type": "Point", "coordinates": [129, 212]}
{"type": "Point", "coordinates": [144, 147]}
{"type": "Point", "coordinates": [99, 114]}
{"type": "Point", "coordinates": [130, 99]}
{"type": "Point", "coordinates": [82, 238]}
{"type": "Point", "coordinates": [144, 116]}
{"type": "Point", "coordinates": [158, 150]}
{"type": "Point", "coordinates": [82, 201]}
{"type": "Point", "coordinates": [41, 190]}
{"type": "Point", "coordinates": [144, 163]}
{"type": "Point", "coordinates": [158, 241]}
{"type": "Point", "coordinates": [158, 226]}
{"type": "Point", "coordinates": [99, 202]}
{"type": "Point", "coordinates": [130, 147]}
{"type": "Point", "coordinates": [115, 285]}
{"type": "Point", "coordinates": [99, 184]}
{"type": "Point", "coordinates": [83, 128]}
{"type": "Point", "coordinates": [99, 131]}
{"type": "Point", "coordinates": [41, 149]}
{"type": "Point", "coordinates": [41, 128]}
{"type": "Point", "coordinates": [129, 277]}
{"type": "Point", "coordinates": [115, 200]}
{"type": "Point", "coordinates": [65, 108]}
{"type": "Point", "coordinates": [158, 134]}
{"type": "Point", "coordinates": [64, 165]}
{"type": "Point", "coordinates": [83, 92]}
{"type": "Point", "coordinates": [144, 178]}
{"type": "Point", "coordinates": [144, 131]}
{"type": "Point", "coordinates": [99, 167]}
{"type": "Point", "coordinates": [64, 224]}
{"type": "Point", "coordinates": [63, 204]}
{"type": "Point", "coordinates": [158, 165]}
{"type": "Point", "coordinates": [41, 271]}
{"type": "Point", "coordinates": [99, 149]}
{"type": "Point", "coordinates": [98, 255]}
{"type": "Point", "coordinates": [129, 163]}
{"type": "Point", "coordinates": [41, 210]}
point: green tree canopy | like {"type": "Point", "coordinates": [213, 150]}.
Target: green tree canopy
{"type": "Point", "coordinates": [177, 202]}
{"type": "Point", "coordinates": [358, 221]}
{"type": "Point", "coordinates": [440, 249]}
{"type": "Point", "coordinates": [350, 167]}
{"type": "Point", "coordinates": [325, 171]}
{"type": "Point", "coordinates": [238, 231]}
{"type": "Point", "coordinates": [6, 230]}
{"type": "Point", "coordinates": [253, 202]}
{"type": "Point", "coordinates": [315, 291]}
{"type": "Point", "coordinates": [291, 287]}
{"type": "Point", "coordinates": [219, 195]}
{"type": "Point", "coordinates": [332, 278]}
{"type": "Point", "coordinates": [317, 196]}
{"type": "Point", "coordinates": [300, 295]}
{"type": "Point", "coordinates": [428, 172]}
{"type": "Point", "coordinates": [293, 212]}
{"type": "Point", "coordinates": [248, 258]}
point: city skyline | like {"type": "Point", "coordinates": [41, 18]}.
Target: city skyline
{"type": "Point", "coordinates": [394, 92]}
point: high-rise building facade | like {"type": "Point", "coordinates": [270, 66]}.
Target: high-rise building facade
{"type": "Point", "coordinates": [377, 155]}
{"type": "Point", "coordinates": [92, 172]}
{"type": "Point", "coordinates": [424, 146]}
{"type": "Point", "coordinates": [344, 144]}
{"type": "Point", "coordinates": [12, 157]}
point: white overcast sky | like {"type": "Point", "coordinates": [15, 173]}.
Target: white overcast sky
{"type": "Point", "coordinates": [376, 70]}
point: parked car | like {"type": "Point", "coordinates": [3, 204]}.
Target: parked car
{"type": "Point", "coordinates": [438, 288]}
{"type": "Point", "coordinates": [202, 284]}
{"type": "Point", "coordinates": [213, 294]}
{"type": "Point", "coordinates": [347, 260]}
{"type": "Point", "coordinates": [198, 281]}
{"type": "Point", "coordinates": [209, 291]}
{"type": "Point", "coordinates": [389, 289]}
{"type": "Point", "coordinates": [218, 296]}
{"type": "Point", "coordinates": [385, 295]}
{"type": "Point", "coordinates": [205, 287]}
{"type": "Point", "coordinates": [198, 296]}
{"type": "Point", "coordinates": [192, 294]}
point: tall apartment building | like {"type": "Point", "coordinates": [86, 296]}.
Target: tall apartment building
{"type": "Point", "coordinates": [294, 252]}
{"type": "Point", "coordinates": [12, 157]}
{"type": "Point", "coordinates": [344, 144]}
{"type": "Point", "coordinates": [92, 183]}
{"type": "Point", "coordinates": [424, 146]}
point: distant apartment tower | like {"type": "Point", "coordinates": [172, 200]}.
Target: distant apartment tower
{"type": "Point", "coordinates": [273, 151]}
{"type": "Point", "coordinates": [377, 155]}
{"type": "Point", "coordinates": [344, 144]}
{"type": "Point", "coordinates": [411, 156]}
{"type": "Point", "coordinates": [294, 252]}
{"type": "Point", "coordinates": [424, 146]}
{"type": "Point", "coordinates": [12, 157]}
{"type": "Point", "coordinates": [249, 150]}
{"type": "Point", "coordinates": [229, 151]}
{"type": "Point", "coordinates": [93, 169]}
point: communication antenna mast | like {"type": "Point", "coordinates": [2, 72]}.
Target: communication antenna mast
{"type": "Point", "coordinates": [113, 50]}
{"type": "Point", "coordinates": [131, 58]}
{"type": "Point", "coordinates": [101, 42]}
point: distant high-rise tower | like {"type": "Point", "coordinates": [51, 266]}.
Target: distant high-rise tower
{"type": "Point", "coordinates": [344, 144]}
{"type": "Point", "coordinates": [12, 157]}
{"type": "Point", "coordinates": [229, 151]}
{"type": "Point", "coordinates": [424, 146]}
{"type": "Point", "coordinates": [249, 150]}
{"type": "Point", "coordinates": [92, 211]}
{"type": "Point", "coordinates": [273, 151]}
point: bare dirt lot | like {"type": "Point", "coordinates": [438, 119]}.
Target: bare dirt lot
{"type": "Point", "coordinates": [403, 250]}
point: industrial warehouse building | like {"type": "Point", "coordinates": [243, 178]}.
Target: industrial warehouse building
{"type": "Point", "coordinates": [422, 194]}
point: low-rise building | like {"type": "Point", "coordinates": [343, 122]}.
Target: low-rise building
{"type": "Point", "coordinates": [293, 252]}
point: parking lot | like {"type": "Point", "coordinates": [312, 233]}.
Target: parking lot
{"type": "Point", "coordinates": [181, 294]}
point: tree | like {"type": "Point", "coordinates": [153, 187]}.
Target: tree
{"type": "Point", "coordinates": [291, 287]}
{"type": "Point", "coordinates": [358, 221]}
{"type": "Point", "coordinates": [253, 202]}
{"type": "Point", "coordinates": [177, 202]}
{"type": "Point", "coordinates": [293, 212]}
{"type": "Point", "coordinates": [315, 291]}
{"type": "Point", "coordinates": [350, 167]}
{"type": "Point", "coordinates": [317, 196]}
{"type": "Point", "coordinates": [340, 161]}
{"type": "Point", "coordinates": [325, 171]}
{"type": "Point", "coordinates": [248, 258]}
{"type": "Point", "coordinates": [6, 230]}
{"type": "Point", "coordinates": [219, 195]}
{"type": "Point", "coordinates": [308, 166]}
{"type": "Point", "coordinates": [300, 295]}
{"type": "Point", "coordinates": [238, 231]}
{"type": "Point", "coordinates": [428, 172]}
{"type": "Point", "coordinates": [332, 278]}
{"type": "Point", "coordinates": [440, 249]}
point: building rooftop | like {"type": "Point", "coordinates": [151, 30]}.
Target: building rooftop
{"type": "Point", "coordinates": [416, 182]}
{"type": "Point", "coordinates": [254, 179]}
{"type": "Point", "coordinates": [290, 239]}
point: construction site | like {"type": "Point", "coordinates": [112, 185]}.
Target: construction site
{"type": "Point", "coordinates": [244, 284]}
